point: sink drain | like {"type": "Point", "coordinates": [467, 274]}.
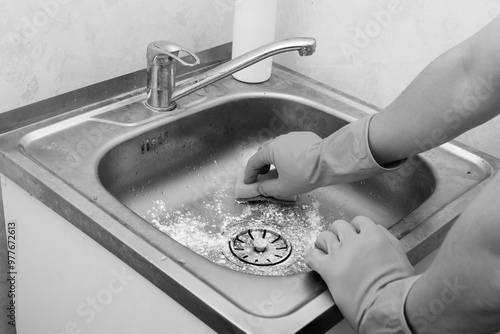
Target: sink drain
{"type": "Point", "coordinates": [260, 246]}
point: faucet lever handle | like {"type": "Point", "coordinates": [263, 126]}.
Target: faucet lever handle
{"type": "Point", "coordinates": [172, 50]}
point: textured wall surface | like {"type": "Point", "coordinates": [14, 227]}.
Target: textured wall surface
{"type": "Point", "coordinates": [48, 47]}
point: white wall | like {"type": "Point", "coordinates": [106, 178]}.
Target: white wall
{"type": "Point", "coordinates": [62, 45]}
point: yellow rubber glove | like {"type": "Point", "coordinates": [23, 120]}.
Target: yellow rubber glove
{"type": "Point", "coordinates": [305, 162]}
{"type": "Point", "coordinates": [367, 273]}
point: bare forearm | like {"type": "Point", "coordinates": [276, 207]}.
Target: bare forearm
{"type": "Point", "coordinates": [456, 92]}
{"type": "Point", "coordinates": [460, 293]}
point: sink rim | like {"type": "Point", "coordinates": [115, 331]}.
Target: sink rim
{"type": "Point", "coordinates": [40, 181]}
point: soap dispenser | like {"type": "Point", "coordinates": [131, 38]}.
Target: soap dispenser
{"type": "Point", "coordinates": [254, 26]}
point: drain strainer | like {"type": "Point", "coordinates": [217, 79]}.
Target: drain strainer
{"type": "Point", "coordinates": [260, 246]}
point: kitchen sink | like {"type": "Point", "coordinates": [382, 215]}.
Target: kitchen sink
{"type": "Point", "coordinates": [180, 177]}
{"type": "Point", "coordinates": [169, 179]}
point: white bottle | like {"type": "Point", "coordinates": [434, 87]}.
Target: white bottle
{"type": "Point", "coordinates": [254, 26]}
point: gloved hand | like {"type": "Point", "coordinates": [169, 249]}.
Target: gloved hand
{"type": "Point", "coordinates": [305, 162]}
{"type": "Point", "coordinates": [367, 273]}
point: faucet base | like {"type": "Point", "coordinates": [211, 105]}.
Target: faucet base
{"type": "Point", "coordinates": [171, 107]}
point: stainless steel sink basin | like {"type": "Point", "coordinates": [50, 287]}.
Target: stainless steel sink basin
{"type": "Point", "coordinates": [180, 177]}
{"type": "Point", "coordinates": [163, 191]}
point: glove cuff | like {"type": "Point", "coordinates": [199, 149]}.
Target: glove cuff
{"type": "Point", "coordinates": [406, 291]}
{"type": "Point", "coordinates": [388, 167]}
{"type": "Point", "coordinates": [345, 156]}
{"type": "Point", "coordinates": [387, 314]}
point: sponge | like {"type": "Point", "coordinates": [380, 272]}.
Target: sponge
{"type": "Point", "coordinates": [246, 193]}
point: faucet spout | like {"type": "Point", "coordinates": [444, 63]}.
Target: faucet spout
{"type": "Point", "coordinates": [305, 47]}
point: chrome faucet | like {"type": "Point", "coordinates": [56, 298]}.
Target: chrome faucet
{"type": "Point", "coordinates": [162, 91]}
